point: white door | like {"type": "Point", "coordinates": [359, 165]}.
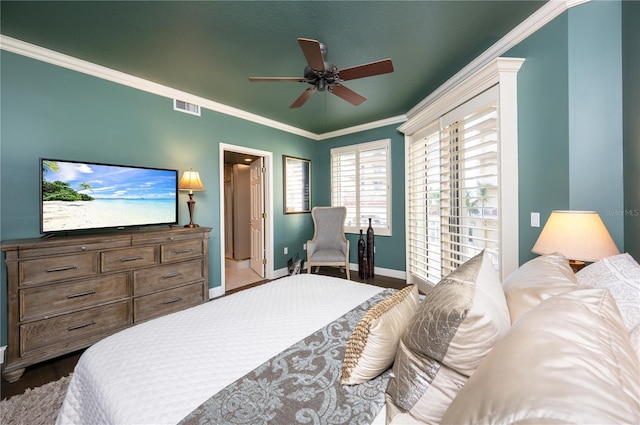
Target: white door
{"type": "Point", "coordinates": [256, 187]}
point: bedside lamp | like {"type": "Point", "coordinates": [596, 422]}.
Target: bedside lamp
{"type": "Point", "coordinates": [578, 235]}
{"type": "Point", "coordinates": [191, 181]}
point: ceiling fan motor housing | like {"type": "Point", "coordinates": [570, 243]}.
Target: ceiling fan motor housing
{"type": "Point", "coordinates": [322, 80]}
{"type": "Point", "coordinates": [322, 75]}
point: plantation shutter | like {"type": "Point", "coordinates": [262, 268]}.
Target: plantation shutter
{"type": "Point", "coordinates": [373, 187]}
{"type": "Point", "coordinates": [343, 183]}
{"type": "Point", "coordinates": [423, 192]}
{"type": "Point", "coordinates": [360, 181]}
{"type": "Point", "coordinates": [453, 185]}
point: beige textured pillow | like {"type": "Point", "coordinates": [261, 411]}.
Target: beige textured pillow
{"type": "Point", "coordinates": [566, 361]}
{"type": "Point", "coordinates": [455, 327]}
{"type": "Point", "coordinates": [374, 341]}
{"type": "Point", "coordinates": [537, 280]}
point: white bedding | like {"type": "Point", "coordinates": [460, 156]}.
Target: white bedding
{"type": "Point", "coordinates": [159, 371]}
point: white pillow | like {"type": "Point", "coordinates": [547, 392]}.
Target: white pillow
{"type": "Point", "coordinates": [567, 361]}
{"type": "Point", "coordinates": [537, 280]}
{"type": "Point", "coordinates": [620, 274]}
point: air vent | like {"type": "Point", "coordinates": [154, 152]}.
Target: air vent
{"type": "Point", "coordinates": [186, 107]}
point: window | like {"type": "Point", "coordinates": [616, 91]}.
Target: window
{"type": "Point", "coordinates": [462, 177]}
{"type": "Point", "coordinates": [361, 181]}
{"type": "Point", "coordinates": [453, 181]}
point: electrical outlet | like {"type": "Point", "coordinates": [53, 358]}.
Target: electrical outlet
{"type": "Point", "coordinates": [286, 250]}
{"type": "Point", "coordinates": [535, 219]}
{"type": "Point", "coordinates": [304, 246]}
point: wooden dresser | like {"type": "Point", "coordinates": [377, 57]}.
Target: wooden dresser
{"type": "Point", "coordinates": [65, 293]}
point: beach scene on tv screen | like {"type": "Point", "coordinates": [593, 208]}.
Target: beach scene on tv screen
{"type": "Point", "coordinates": [89, 196]}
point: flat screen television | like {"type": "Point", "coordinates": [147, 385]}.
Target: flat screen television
{"type": "Point", "coordinates": [77, 196]}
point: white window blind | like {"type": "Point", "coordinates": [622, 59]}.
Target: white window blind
{"type": "Point", "coordinates": [361, 181]}
{"type": "Point", "coordinates": [453, 197]}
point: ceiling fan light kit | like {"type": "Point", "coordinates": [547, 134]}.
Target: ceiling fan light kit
{"type": "Point", "coordinates": [324, 76]}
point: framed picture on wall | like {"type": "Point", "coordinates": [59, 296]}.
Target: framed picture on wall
{"type": "Point", "coordinates": [297, 185]}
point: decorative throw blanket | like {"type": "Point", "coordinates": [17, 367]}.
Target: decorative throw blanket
{"type": "Point", "coordinates": [301, 384]}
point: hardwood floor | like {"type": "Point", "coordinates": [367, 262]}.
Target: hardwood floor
{"type": "Point", "coordinates": [52, 370]}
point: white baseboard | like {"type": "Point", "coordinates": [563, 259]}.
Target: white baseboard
{"type": "Point", "coordinates": [397, 274]}
{"type": "Point", "coordinates": [3, 349]}
{"type": "Point", "coordinates": [216, 292]}
{"type": "Point", "coordinates": [277, 274]}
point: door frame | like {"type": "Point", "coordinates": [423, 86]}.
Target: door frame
{"type": "Point", "coordinates": [268, 207]}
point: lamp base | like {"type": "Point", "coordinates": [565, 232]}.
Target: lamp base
{"type": "Point", "coordinates": [576, 265]}
{"type": "Point", "coordinates": [191, 204]}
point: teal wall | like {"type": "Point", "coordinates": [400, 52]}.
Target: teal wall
{"type": "Point", "coordinates": [50, 111]}
{"type": "Point", "coordinates": [631, 133]}
{"type": "Point", "coordinates": [595, 112]}
{"type": "Point", "coordinates": [543, 131]}
{"type": "Point", "coordinates": [570, 128]}
{"type": "Point", "coordinates": [390, 250]}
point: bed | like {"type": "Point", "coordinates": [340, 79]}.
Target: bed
{"type": "Point", "coordinates": [160, 371]}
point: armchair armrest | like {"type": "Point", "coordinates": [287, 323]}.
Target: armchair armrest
{"type": "Point", "coordinates": [311, 248]}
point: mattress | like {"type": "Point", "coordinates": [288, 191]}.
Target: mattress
{"type": "Point", "coordinates": [159, 371]}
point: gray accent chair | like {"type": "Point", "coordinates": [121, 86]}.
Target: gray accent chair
{"type": "Point", "coordinates": [329, 246]}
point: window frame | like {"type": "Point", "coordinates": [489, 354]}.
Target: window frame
{"type": "Point", "coordinates": [357, 150]}
{"type": "Point", "coordinates": [502, 72]}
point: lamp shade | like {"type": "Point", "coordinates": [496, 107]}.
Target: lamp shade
{"type": "Point", "coordinates": [191, 181]}
{"type": "Point", "coordinates": [578, 235]}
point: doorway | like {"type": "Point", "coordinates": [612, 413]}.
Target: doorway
{"type": "Point", "coordinates": [246, 216]}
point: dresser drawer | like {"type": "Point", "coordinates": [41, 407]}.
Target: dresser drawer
{"type": "Point", "coordinates": [169, 301]}
{"type": "Point", "coordinates": [144, 239]}
{"type": "Point", "coordinates": [61, 267]}
{"type": "Point", "coordinates": [166, 276]}
{"type": "Point", "coordinates": [82, 325]}
{"type": "Point", "coordinates": [181, 250]}
{"type": "Point", "coordinates": [127, 259]}
{"type": "Point", "coordinates": [57, 298]}
{"type": "Point", "coordinates": [72, 248]}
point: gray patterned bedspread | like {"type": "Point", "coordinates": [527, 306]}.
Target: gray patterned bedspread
{"type": "Point", "coordinates": [301, 385]}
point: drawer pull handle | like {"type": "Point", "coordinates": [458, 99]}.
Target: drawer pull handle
{"type": "Point", "coordinates": [182, 251]}
{"type": "Point", "coordinates": [170, 275]}
{"type": "Point", "coordinates": [173, 300]}
{"type": "Point", "coordinates": [82, 294]}
{"type": "Point", "coordinates": [84, 325]}
{"type": "Point", "coordinates": [124, 260]}
{"type": "Point", "coordinates": [61, 269]}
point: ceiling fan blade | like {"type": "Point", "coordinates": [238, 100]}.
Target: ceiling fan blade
{"type": "Point", "coordinates": [285, 79]}
{"type": "Point", "coordinates": [384, 66]}
{"type": "Point", "coordinates": [306, 95]}
{"type": "Point", "coordinates": [348, 95]}
{"type": "Point", "coordinates": [313, 53]}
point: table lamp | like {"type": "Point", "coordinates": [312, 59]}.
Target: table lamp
{"type": "Point", "coordinates": [578, 235]}
{"type": "Point", "coordinates": [191, 181]}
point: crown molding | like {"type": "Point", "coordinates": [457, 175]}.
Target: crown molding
{"type": "Point", "coordinates": [547, 13]}
{"type": "Point", "coordinates": [363, 127]}
{"type": "Point", "coordinates": [544, 15]}
{"type": "Point", "coordinates": [55, 58]}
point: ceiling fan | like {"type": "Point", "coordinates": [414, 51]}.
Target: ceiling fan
{"type": "Point", "coordinates": [323, 75]}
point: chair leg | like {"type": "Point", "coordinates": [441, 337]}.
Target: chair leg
{"type": "Point", "coordinates": [308, 268]}
{"type": "Point", "coordinates": [348, 273]}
